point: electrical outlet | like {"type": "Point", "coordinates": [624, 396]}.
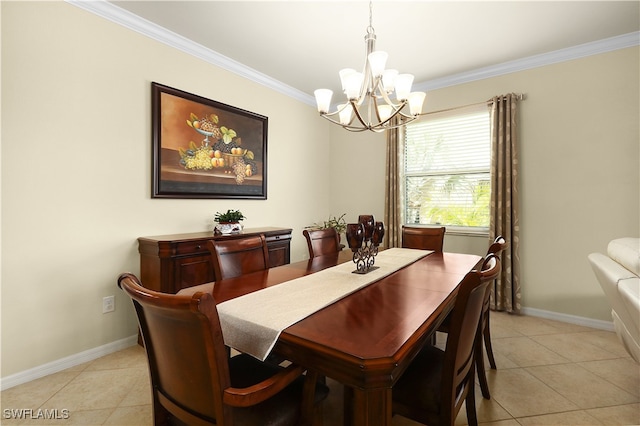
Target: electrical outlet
{"type": "Point", "coordinates": [108, 304]}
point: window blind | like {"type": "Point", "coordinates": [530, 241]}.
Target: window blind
{"type": "Point", "coordinates": [447, 169]}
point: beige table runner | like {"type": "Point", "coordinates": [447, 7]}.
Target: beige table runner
{"type": "Point", "coordinates": [252, 323]}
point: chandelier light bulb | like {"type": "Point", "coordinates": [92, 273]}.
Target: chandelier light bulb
{"type": "Point", "coordinates": [345, 112]}
{"type": "Point", "coordinates": [323, 99]}
{"type": "Point", "coordinates": [403, 86]}
{"type": "Point", "coordinates": [416, 99]}
{"type": "Point", "coordinates": [353, 84]}
{"type": "Point", "coordinates": [377, 62]}
{"type": "Point", "coordinates": [385, 112]}
{"type": "Point", "coordinates": [389, 80]}
{"type": "Point", "coordinates": [343, 77]}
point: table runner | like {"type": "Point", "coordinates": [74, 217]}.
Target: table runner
{"type": "Point", "coordinates": [252, 323]}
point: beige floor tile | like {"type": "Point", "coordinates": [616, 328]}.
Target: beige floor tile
{"type": "Point", "coordinates": [529, 326]}
{"type": "Point", "coordinates": [620, 415]}
{"type": "Point", "coordinates": [561, 419]}
{"type": "Point", "coordinates": [93, 390]}
{"type": "Point", "coordinates": [574, 347]}
{"type": "Point", "coordinates": [522, 394]}
{"type": "Point", "coordinates": [140, 393]}
{"type": "Point", "coordinates": [510, 422]}
{"type": "Point", "coordinates": [607, 340]}
{"type": "Point", "coordinates": [534, 326]}
{"type": "Point", "coordinates": [499, 331]}
{"type": "Point", "coordinates": [34, 394]}
{"type": "Point", "coordinates": [131, 416]}
{"type": "Point", "coordinates": [622, 372]}
{"type": "Point", "coordinates": [525, 352]}
{"type": "Point", "coordinates": [487, 410]}
{"type": "Point", "coordinates": [134, 356]}
{"type": "Point", "coordinates": [581, 387]}
{"type": "Point", "coordinates": [502, 361]}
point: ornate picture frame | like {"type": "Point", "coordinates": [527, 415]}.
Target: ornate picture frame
{"type": "Point", "coordinates": [206, 149]}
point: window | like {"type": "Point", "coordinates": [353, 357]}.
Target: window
{"type": "Point", "coordinates": [447, 160]}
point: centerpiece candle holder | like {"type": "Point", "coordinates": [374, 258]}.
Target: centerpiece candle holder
{"type": "Point", "coordinates": [364, 238]}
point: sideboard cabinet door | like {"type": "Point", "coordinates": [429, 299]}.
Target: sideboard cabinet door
{"type": "Point", "coordinates": [169, 263]}
{"type": "Point", "coordinates": [279, 247]}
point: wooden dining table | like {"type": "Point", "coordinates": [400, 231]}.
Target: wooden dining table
{"type": "Point", "coordinates": [367, 339]}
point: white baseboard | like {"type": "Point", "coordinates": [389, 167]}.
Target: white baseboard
{"type": "Point", "coordinates": [67, 362]}
{"type": "Point", "coordinates": [91, 354]}
{"type": "Point", "coordinates": [570, 319]}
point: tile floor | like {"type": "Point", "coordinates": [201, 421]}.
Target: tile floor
{"type": "Point", "coordinates": [549, 373]}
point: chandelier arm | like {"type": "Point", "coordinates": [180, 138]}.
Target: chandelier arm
{"type": "Point", "coordinates": [375, 104]}
{"type": "Point", "coordinates": [377, 128]}
{"type": "Point", "coordinates": [328, 116]}
{"type": "Point", "coordinates": [356, 111]}
{"type": "Point", "coordinates": [388, 100]}
{"type": "Point", "coordinates": [346, 126]}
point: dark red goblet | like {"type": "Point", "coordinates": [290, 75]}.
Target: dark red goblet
{"type": "Point", "coordinates": [378, 233]}
{"type": "Point", "coordinates": [355, 235]}
{"type": "Point", "coordinates": [369, 223]}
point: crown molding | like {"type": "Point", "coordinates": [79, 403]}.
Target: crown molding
{"type": "Point", "coordinates": [129, 20]}
{"type": "Point", "coordinates": [120, 16]}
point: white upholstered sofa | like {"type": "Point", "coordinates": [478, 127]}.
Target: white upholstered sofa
{"type": "Point", "coordinates": [619, 276]}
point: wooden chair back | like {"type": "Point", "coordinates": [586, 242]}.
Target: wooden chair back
{"type": "Point", "coordinates": [192, 377]}
{"type": "Point", "coordinates": [238, 256]}
{"type": "Point", "coordinates": [498, 246]}
{"type": "Point", "coordinates": [458, 370]}
{"type": "Point", "coordinates": [187, 357]}
{"type": "Point", "coordinates": [322, 241]}
{"type": "Point", "coordinates": [423, 238]}
{"type": "Point", "coordinates": [437, 382]}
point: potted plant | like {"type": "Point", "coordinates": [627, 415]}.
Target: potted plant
{"type": "Point", "coordinates": [338, 223]}
{"type": "Point", "coordinates": [229, 222]}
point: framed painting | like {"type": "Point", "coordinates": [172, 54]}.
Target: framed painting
{"type": "Point", "coordinates": [206, 149]}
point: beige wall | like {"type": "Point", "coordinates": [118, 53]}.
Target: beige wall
{"type": "Point", "coordinates": [580, 161]}
{"type": "Point", "coordinates": [76, 167]}
{"type": "Point", "coordinates": [76, 172]}
{"type": "Point", "coordinates": [580, 174]}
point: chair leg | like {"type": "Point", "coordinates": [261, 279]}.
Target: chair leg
{"type": "Point", "coordinates": [487, 343]}
{"type": "Point", "coordinates": [470, 402]}
{"type": "Point", "coordinates": [482, 375]}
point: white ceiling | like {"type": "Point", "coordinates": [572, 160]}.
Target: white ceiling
{"type": "Point", "coordinates": [304, 44]}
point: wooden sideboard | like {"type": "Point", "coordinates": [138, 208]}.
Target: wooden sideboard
{"type": "Point", "coordinates": [169, 263]}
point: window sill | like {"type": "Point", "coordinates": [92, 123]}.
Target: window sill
{"type": "Point", "coordinates": [463, 232]}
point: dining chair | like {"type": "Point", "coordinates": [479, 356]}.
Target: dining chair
{"type": "Point", "coordinates": [496, 248]}
{"type": "Point", "coordinates": [418, 237]}
{"type": "Point", "coordinates": [233, 257]}
{"type": "Point", "coordinates": [436, 383]}
{"type": "Point", "coordinates": [194, 381]}
{"type": "Point", "coordinates": [322, 241]}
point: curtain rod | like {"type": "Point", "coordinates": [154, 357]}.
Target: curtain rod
{"type": "Point", "coordinates": [520, 97]}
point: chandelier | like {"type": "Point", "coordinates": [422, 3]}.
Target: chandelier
{"type": "Point", "coordinates": [369, 104]}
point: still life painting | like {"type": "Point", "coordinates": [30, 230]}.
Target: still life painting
{"type": "Point", "coordinates": [206, 149]}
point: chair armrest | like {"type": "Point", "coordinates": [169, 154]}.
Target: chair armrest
{"type": "Point", "coordinates": [203, 288]}
{"type": "Point", "coordinates": [252, 395]}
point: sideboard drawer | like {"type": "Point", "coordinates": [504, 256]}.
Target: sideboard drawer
{"type": "Point", "coordinates": [169, 263]}
{"type": "Point", "coordinates": [279, 237]}
{"type": "Point", "coordinates": [191, 247]}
